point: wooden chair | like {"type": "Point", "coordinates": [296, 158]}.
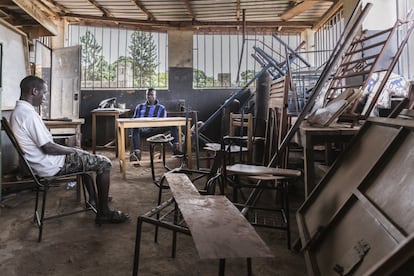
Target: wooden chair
{"type": "Point", "coordinates": [260, 178]}
{"type": "Point", "coordinates": [278, 104]}
{"type": "Point", "coordinates": [43, 184]}
{"type": "Point", "coordinates": [241, 133]}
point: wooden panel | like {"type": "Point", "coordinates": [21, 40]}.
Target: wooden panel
{"type": "Point", "coordinates": [181, 186]}
{"type": "Point", "coordinates": [218, 228]}
{"type": "Point", "coordinates": [347, 173]}
{"type": "Point", "coordinates": [221, 234]}
{"type": "Point", "coordinates": [344, 234]}
{"type": "Point", "coordinates": [392, 188]}
{"type": "Point", "coordinates": [366, 195]}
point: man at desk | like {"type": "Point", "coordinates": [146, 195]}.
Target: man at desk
{"type": "Point", "coordinates": [151, 108]}
{"type": "Point", "coordinates": [48, 158]}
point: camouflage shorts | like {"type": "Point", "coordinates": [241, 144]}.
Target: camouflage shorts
{"type": "Point", "coordinates": [81, 161]}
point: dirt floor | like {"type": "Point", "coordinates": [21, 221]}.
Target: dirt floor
{"type": "Point", "coordinates": [75, 245]}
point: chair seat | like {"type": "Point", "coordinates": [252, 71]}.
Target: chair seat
{"type": "Point", "coordinates": [253, 170]}
{"type": "Point", "coordinates": [268, 177]}
{"type": "Point", "coordinates": [217, 147]}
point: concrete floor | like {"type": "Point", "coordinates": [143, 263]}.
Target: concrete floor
{"type": "Point", "coordinates": [74, 245]}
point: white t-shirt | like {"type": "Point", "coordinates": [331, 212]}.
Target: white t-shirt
{"type": "Point", "coordinates": [31, 133]}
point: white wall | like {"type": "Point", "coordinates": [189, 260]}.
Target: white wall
{"type": "Point", "coordinates": [382, 15]}
{"type": "Point", "coordinates": [14, 67]}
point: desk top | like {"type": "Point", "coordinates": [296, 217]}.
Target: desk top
{"type": "Point", "coordinates": [64, 123]}
{"type": "Point", "coordinates": [150, 119]}
{"type": "Point", "coordinates": [151, 122]}
{"type": "Point", "coordinates": [108, 111]}
{"type": "Point", "coordinates": [218, 228]}
{"type": "Point", "coordinates": [335, 127]}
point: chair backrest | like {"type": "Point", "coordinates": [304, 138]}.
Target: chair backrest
{"type": "Point", "coordinates": [23, 161]}
{"type": "Point", "coordinates": [278, 101]}
{"type": "Point", "coordinates": [243, 122]}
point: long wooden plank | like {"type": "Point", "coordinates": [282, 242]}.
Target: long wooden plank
{"type": "Point", "coordinates": [218, 228]}
{"type": "Point", "coordinates": [181, 186]}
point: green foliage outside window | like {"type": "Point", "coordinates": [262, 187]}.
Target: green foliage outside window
{"type": "Point", "coordinates": [144, 57]}
{"type": "Point", "coordinates": [138, 69]}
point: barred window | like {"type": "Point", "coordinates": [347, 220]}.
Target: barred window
{"type": "Point", "coordinates": [220, 60]}
{"type": "Point", "coordinates": [326, 37]}
{"type": "Point", "coordinates": [404, 67]}
{"type": "Point", "coordinates": [121, 58]}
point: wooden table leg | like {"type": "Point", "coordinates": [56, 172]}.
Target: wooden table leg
{"type": "Point", "coordinates": [115, 129]}
{"type": "Point", "coordinates": [121, 149]}
{"type": "Point", "coordinates": [189, 153]}
{"type": "Point", "coordinates": [309, 168]}
{"type": "Point", "coordinates": [93, 133]}
{"type": "Point", "coordinates": [222, 266]}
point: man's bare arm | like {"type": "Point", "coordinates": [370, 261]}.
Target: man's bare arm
{"type": "Point", "coordinates": [56, 149]}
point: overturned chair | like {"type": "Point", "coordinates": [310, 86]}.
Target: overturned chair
{"type": "Point", "coordinates": [43, 184]}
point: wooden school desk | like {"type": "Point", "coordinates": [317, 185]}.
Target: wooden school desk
{"type": "Point", "coordinates": [125, 123]}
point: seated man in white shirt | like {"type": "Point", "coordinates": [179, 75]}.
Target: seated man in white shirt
{"type": "Point", "coordinates": [48, 158]}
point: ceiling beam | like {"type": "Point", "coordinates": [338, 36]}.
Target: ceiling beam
{"type": "Point", "coordinates": [32, 10]}
{"type": "Point", "coordinates": [58, 7]}
{"type": "Point", "coordinates": [12, 27]}
{"type": "Point", "coordinates": [149, 15]}
{"type": "Point", "coordinates": [238, 10]}
{"type": "Point", "coordinates": [193, 24]}
{"type": "Point", "coordinates": [189, 9]}
{"type": "Point", "coordinates": [46, 8]}
{"type": "Point", "coordinates": [329, 13]}
{"type": "Point", "coordinates": [99, 7]}
{"type": "Point", "coordinates": [298, 9]}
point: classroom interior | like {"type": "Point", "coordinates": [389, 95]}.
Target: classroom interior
{"type": "Point", "coordinates": [295, 121]}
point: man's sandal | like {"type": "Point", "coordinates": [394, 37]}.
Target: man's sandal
{"type": "Point", "coordinates": [112, 217]}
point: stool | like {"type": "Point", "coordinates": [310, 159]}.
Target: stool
{"type": "Point", "coordinates": [159, 139]}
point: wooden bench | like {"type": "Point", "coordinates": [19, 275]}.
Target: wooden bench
{"type": "Point", "coordinates": [218, 228]}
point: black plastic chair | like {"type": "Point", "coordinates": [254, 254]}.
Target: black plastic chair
{"type": "Point", "coordinates": [43, 184]}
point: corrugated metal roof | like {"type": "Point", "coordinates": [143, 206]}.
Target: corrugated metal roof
{"type": "Point", "coordinates": [199, 13]}
{"type": "Point", "coordinates": [282, 15]}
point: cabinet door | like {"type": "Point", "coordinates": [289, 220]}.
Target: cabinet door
{"type": "Point", "coordinates": [65, 83]}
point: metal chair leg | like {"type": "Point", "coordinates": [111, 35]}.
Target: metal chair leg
{"type": "Point", "coordinates": [137, 247]}
{"type": "Point", "coordinates": [249, 266]}
{"type": "Point", "coordinates": [222, 266]}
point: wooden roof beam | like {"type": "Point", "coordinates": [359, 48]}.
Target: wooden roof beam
{"type": "Point", "coordinates": [329, 13]}
{"type": "Point", "coordinates": [47, 9]}
{"type": "Point", "coordinates": [298, 9]}
{"type": "Point", "coordinates": [91, 19]}
{"type": "Point", "coordinates": [238, 10]}
{"type": "Point", "coordinates": [99, 7]}
{"type": "Point", "coordinates": [150, 16]}
{"type": "Point", "coordinates": [58, 7]}
{"type": "Point", "coordinates": [189, 9]}
{"type": "Point", "coordinates": [37, 15]}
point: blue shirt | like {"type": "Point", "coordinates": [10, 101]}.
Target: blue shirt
{"type": "Point", "coordinates": [148, 110]}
